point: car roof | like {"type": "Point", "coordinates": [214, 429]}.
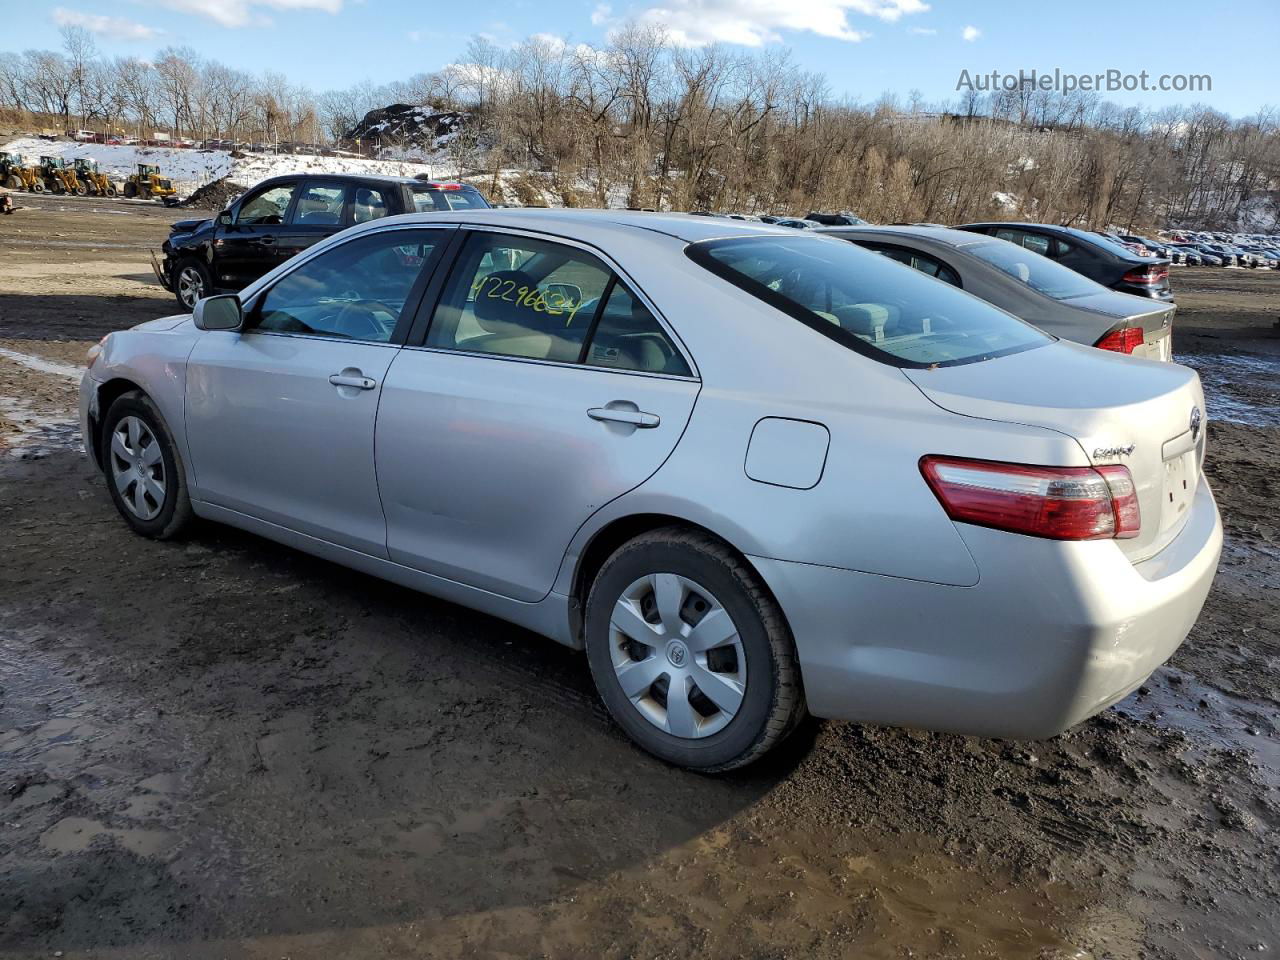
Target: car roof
{"type": "Point", "coordinates": [356, 178]}
{"type": "Point", "coordinates": [569, 222]}
{"type": "Point", "coordinates": [947, 235]}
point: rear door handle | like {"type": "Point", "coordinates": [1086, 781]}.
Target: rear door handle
{"type": "Point", "coordinates": [267, 240]}
{"type": "Point", "coordinates": [637, 418]}
{"type": "Point", "coordinates": [348, 380]}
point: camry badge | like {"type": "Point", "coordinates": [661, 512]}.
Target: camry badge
{"type": "Point", "coordinates": [1196, 419]}
{"type": "Point", "coordinates": [1105, 453]}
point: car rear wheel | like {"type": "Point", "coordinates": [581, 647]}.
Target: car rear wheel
{"type": "Point", "coordinates": [690, 654]}
{"type": "Point", "coordinates": [191, 281]}
{"type": "Point", "coordinates": [144, 474]}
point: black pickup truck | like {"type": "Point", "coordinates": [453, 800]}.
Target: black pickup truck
{"type": "Point", "coordinates": [280, 218]}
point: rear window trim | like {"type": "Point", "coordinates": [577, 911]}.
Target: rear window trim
{"type": "Point", "coordinates": [700, 253]}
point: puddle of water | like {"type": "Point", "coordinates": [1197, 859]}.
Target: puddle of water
{"type": "Point", "coordinates": [1239, 388]}
{"type": "Point", "coordinates": [76, 834]}
{"type": "Point", "coordinates": [38, 434]}
{"type": "Point", "coordinates": [1176, 700]}
{"type": "Point", "coordinates": [43, 365]}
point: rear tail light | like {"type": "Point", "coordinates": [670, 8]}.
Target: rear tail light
{"type": "Point", "coordinates": [1149, 275]}
{"type": "Point", "coordinates": [1124, 340]}
{"type": "Point", "coordinates": [1060, 503]}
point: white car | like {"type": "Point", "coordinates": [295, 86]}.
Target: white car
{"type": "Point", "coordinates": [753, 471]}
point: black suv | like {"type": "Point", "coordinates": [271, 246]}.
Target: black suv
{"type": "Point", "coordinates": [1101, 260]}
{"type": "Point", "coordinates": [280, 218]}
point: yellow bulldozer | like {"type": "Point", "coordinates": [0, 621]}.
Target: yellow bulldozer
{"type": "Point", "coordinates": [60, 178]}
{"type": "Point", "coordinates": [16, 175]}
{"type": "Point", "coordinates": [99, 183]}
{"type": "Point", "coordinates": [147, 184]}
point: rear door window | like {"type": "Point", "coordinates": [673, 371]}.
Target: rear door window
{"type": "Point", "coordinates": [929, 266]}
{"type": "Point", "coordinates": [521, 297]}
{"type": "Point", "coordinates": [1031, 241]}
{"type": "Point", "coordinates": [319, 205]}
{"type": "Point", "coordinates": [368, 204]}
{"type": "Point", "coordinates": [851, 296]}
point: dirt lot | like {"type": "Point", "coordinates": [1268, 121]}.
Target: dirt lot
{"type": "Point", "coordinates": [222, 748]}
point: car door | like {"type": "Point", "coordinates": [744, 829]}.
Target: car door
{"type": "Point", "coordinates": [248, 247]}
{"type": "Point", "coordinates": [280, 416]}
{"type": "Point", "coordinates": [320, 210]}
{"type": "Point", "coordinates": [546, 387]}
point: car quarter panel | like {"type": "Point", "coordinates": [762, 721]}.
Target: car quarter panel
{"type": "Point", "coordinates": [871, 509]}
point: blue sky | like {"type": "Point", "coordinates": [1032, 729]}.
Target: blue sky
{"type": "Point", "coordinates": [864, 47]}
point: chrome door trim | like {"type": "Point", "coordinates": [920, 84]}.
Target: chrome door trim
{"type": "Point", "coordinates": [572, 364]}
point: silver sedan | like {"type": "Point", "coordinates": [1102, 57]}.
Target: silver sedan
{"type": "Point", "coordinates": [754, 473]}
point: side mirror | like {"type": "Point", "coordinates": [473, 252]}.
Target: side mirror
{"type": "Point", "coordinates": [224, 218]}
{"type": "Point", "coordinates": [218, 313]}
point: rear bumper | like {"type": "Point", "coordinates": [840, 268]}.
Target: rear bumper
{"type": "Point", "coordinates": [1051, 634]}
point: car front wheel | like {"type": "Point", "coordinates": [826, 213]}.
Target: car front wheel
{"type": "Point", "coordinates": [144, 474]}
{"type": "Point", "coordinates": [690, 654]}
{"type": "Point", "coordinates": [191, 281]}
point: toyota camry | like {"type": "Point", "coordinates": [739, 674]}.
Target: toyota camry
{"type": "Point", "coordinates": [754, 473]}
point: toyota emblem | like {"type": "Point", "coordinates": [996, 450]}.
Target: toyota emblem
{"type": "Point", "coordinates": [1196, 419]}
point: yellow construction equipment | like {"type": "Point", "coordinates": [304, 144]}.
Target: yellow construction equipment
{"type": "Point", "coordinates": [60, 178]}
{"type": "Point", "coordinates": [16, 175]}
{"type": "Point", "coordinates": [147, 184]}
{"type": "Point", "coordinates": [99, 183]}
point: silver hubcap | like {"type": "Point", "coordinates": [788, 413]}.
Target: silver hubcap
{"type": "Point", "coordinates": [137, 468]}
{"type": "Point", "coordinates": [190, 285]}
{"type": "Point", "coordinates": [677, 655]}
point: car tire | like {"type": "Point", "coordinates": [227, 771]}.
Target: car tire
{"type": "Point", "coordinates": [132, 429]}
{"type": "Point", "coordinates": [704, 582]}
{"type": "Point", "coordinates": [191, 281]}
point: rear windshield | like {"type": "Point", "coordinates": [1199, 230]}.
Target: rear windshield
{"type": "Point", "coordinates": [867, 302]}
{"type": "Point", "coordinates": [426, 199]}
{"type": "Point", "coordinates": [1039, 273]}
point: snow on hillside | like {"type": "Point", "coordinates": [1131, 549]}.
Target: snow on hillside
{"type": "Point", "coordinates": [190, 169]}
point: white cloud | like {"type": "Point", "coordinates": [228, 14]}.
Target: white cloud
{"type": "Point", "coordinates": [603, 13]}
{"type": "Point", "coordinates": [117, 28]}
{"type": "Point", "coordinates": [971, 34]}
{"type": "Point", "coordinates": [243, 13]}
{"type": "Point", "coordinates": [924, 31]}
{"type": "Point", "coordinates": [753, 23]}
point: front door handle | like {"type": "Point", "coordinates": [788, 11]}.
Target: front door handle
{"type": "Point", "coordinates": [352, 380]}
{"type": "Point", "coordinates": [267, 240]}
{"type": "Point", "coordinates": [637, 418]}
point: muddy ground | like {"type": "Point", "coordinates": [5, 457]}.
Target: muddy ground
{"type": "Point", "coordinates": [223, 748]}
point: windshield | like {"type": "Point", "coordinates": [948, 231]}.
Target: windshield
{"type": "Point", "coordinates": [1037, 272]}
{"type": "Point", "coordinates": [867, 302]}
{"type": "Point", "coordinates": [427, 199]}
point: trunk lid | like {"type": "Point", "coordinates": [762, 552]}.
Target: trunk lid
{"type": "Point", "coordinates": [1119, 409]}
{"type": "Point", "coordinates": [1153, 316]}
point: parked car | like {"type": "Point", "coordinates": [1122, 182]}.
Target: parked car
{"type": "Point", "coordinates": [1088, 253]}
{"type": "Point", "coordinates": [796, 223]}
{"type": "Point", "coordinates": [281, 217]}
{"type": "Point", "coordinates": [753, 472]}
{"type": "Point", "coordinates": [1027, 285]}
{"type": "Point", "coordinates": [842, 219]}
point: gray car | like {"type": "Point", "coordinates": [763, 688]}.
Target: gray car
{"type": "Point", "coordinates": [753, 472]}
{"type": "Point", "coordinates": [1056, 299]}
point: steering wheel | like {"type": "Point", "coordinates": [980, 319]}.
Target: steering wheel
{"type": "Point", "coordinates": [359, 319]}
